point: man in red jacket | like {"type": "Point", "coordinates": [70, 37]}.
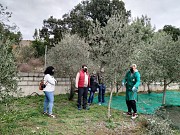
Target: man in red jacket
{"type": "Point", "coordinates": [82, 83]}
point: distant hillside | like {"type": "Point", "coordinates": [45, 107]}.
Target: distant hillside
{"type": "Point", "coordinates": [25, 43]}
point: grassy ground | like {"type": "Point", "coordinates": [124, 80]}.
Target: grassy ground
{"type": "Point", "coordinates": [172, 113]}
{"type": "Point", "coordinates": [24, 116]}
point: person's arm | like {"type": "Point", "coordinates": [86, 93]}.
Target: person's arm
{"type": "Point", "coordinates": [77, 80]}
{"type": "Point", "coordinates": [138, 81]}
{"type": "Point", "coordinates": [97, 78]}
{"type": "Point", "coordinates": [89, 82]}
{"type": "Point", "coordinates": [50, 79]}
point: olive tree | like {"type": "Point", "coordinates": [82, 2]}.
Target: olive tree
{"type": "Point", "coordinates": [8, 74]}
{"type": "Point", "coordinates": [118, 44]}
{"type": "Point", "coordinates": [166, 57]}
{"type": "Point", "coordinates": [68, 56]}
{"type": "Point", "coordinates": [147, 67]}
{"type": "Point", "coordinates": [103, 42]}
{"type": "Point", "coordinates": [142, 53]}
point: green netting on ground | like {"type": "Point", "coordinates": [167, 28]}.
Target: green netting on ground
{"type": "Point", "coordinates": [147, 103]}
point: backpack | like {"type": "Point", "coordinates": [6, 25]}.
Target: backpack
{"type": "Point", "coordinates": [42, 85]}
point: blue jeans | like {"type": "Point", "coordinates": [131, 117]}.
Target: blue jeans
{"type": "Point", "coordinates": [102, 89]}
{"type": "Point", "coordinates": [91, 97]}
{"type": "Point", "coordinates": [48, 101]}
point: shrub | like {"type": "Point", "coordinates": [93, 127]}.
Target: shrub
{"type": "Point", "coordinates": [24, 54]}
{"type": "Point", "coordinates": [35, 62]}
{"type": "Point", "coordinates": [24, 67]}
{"type": "Point", "coordinates": [158, 126]}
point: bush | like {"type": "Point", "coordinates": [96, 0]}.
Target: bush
{"type": "Point", "coordinates": [24, 54]}
{"type": "Point", "coordinates": [35, 62]}
{"type": "Point", "coordinates": [24, 67]}
{"type": "Point", "coordinates": [158, 126]}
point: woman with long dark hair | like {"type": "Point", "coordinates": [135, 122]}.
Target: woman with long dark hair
{"type": "Point", "coordinates": [50, 82]}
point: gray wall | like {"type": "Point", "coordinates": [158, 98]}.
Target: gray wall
{"type": "Point", "coordinates": [29, 83]}
{"type": "Point", "coordinates": [156, 87]}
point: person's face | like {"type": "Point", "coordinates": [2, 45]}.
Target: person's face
{"type": "Point", "coordinates": [94, 73]}
{"type": "Point", "coordinates": [53, 72]}
{"type": "Point", "coordinates": [132, 69]}
{"type": "Point", "coordinates": [85, 69]}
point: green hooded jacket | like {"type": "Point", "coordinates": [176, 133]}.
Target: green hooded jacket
{"type": "Point", "coordinates": [130, 81]}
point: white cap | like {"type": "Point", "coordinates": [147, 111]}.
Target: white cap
{"type": "Point", "coordinates": [134, 65]}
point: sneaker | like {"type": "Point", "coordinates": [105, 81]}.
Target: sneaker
{"type": "Point", "coordinates": [127, 113]}
{"type": "Point", "coordinates": [52, 115]}
{"type": "Point", "coordinates": [134, 116]}
{"type": "Point", "coordinates": [45, 113]}
{"type": "Point", "coordinates": [99, 103]}
{"type": "Point", "coordinates": [86, 108]}
{"type": "Point", "coordinates": [79, 108]}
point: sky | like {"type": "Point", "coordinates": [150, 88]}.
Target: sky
{"type": "Point", "coordinates": [29, 14]}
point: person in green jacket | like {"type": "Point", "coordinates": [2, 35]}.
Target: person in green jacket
{"type": "Point", "coordinates": [131, 82]}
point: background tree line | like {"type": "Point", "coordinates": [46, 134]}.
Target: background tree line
{"type": "Point", "coordinates": [113, 41]}
{"type": "Point", "coordinates": [102, 34]}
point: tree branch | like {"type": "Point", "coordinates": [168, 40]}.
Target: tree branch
{"type": "Point", "coordinates": [170, 82]}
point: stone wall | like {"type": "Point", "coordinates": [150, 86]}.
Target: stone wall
{"type": "Point", "coordinates": [29, 83]}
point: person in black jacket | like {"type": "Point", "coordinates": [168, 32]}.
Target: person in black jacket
{"type": "Point", "coordinates": [93, 87]}
{"type": "Point", "coordinates": [102, 87]}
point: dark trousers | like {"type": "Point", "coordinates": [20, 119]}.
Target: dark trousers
{"type": "Point", "coordinates": [91, 96]}
{"type": "Point", "coordinates": [82, 92]}
{"type": "Point", "coordinates": [102, 89]}
{"type": "Point", "coordinates": [131, 105]}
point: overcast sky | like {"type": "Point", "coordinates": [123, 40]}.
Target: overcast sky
{"type": "Point", "coordinates": [29, 14]}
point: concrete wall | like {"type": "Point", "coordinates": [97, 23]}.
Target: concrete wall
{"type": "Point", "coordinates": [156, 87]}
{"type": "Point", "coordinates": [29, 83]}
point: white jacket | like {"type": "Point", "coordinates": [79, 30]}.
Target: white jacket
{"type": "Point", "coordinates": [50, 83]}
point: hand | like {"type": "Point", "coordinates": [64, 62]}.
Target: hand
{"type": "Point", "coordinates": [97, 89]}
{"type": "Point", "coordinates": [134, 89]}
{"type": "Point", "coordinates": [89, 89]}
